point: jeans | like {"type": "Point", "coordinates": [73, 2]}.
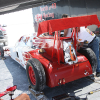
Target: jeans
{"type": "Point", "coordinates": [95, 47]}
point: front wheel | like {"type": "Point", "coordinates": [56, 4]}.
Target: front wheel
{"type": "Point", "coordinates": [36, 74]}
{"type": "Point", "coordinates": [90, 55]}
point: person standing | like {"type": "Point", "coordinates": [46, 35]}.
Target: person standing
{"type": "Point", "coordinates": [84, 34]}
{"type": "Point", "coordinates": [2, 53]}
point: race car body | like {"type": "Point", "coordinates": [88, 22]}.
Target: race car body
{"type": "Point", "coordinates": [20, 51]}
{"type": "Point", "coordinates": [54, 60]}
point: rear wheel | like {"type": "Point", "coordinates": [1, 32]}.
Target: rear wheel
{"type": "Point", "coordinates": [36, 74]}
{"type": "Point", "coordinates": [90, 55]}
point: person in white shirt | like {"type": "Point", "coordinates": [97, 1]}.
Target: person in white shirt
{"type": "Point", "coordinates": [67, 32]}
{"type": "Point", "coordinates": [84, 34]}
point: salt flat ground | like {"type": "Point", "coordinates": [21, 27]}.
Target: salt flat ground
{"type": "Point", "coordinates": [11, 73]}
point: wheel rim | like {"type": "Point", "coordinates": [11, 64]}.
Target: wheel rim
{"type": "Point", "coordinates": [32, 75]}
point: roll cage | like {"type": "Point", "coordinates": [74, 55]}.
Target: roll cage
{"type": "Point", "coordinates": [57, 25]}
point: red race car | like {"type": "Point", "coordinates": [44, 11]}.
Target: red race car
{"type": "Point", "coordinates": [54, 60]}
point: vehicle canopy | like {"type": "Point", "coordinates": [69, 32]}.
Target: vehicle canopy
{"type": "Point", "coordinates": [65, 23]}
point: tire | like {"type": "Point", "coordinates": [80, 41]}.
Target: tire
{"type": "Point", "coordinates": [90, 55]}
{"type": "Point", "coordinates": [1, 51]}
{"type": "Point", "coordinates": [36, 74]}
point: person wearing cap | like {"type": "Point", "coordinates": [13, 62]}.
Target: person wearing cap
{"type": "Point", "coordinates": [84, 34]}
